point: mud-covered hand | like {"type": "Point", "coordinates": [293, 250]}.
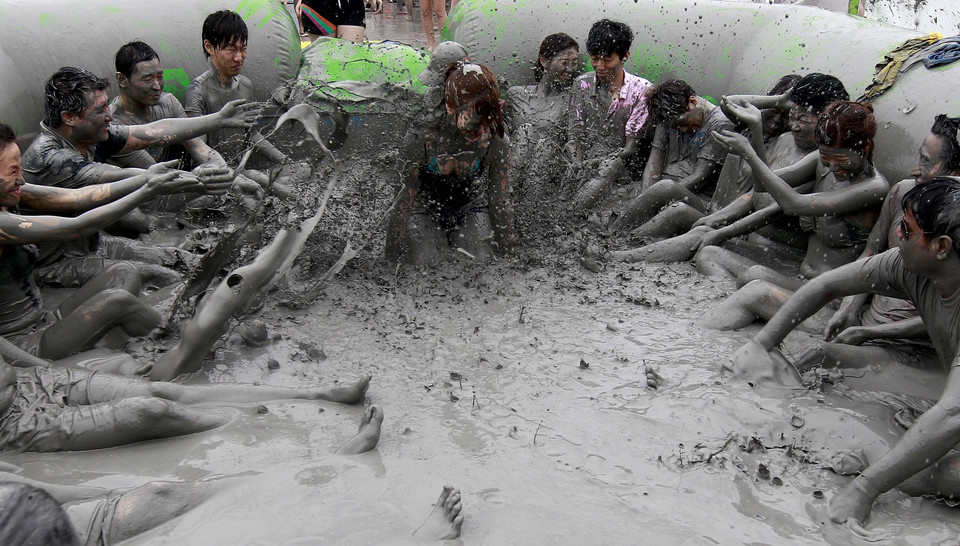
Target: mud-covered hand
{"type": "Point", "coordinates": [239, 114]}
{"type": "Point", "coordinates": [215, 177]}
{"type": "Point", "coordinates": [162, 179]}
{"type": "Point", "coordinates": [854, 335]}
{"type": "Point", "coordinates": [842, 320]}
{"type": "Point", "coordinates": [754, 363]}
{"type": "Point", "coordinates": [733, 141]}
{"type": "Point", "coordinates": [851, 503]}
{"type": "Point", "coordinates": [709, 237]}
{"type": "Point", "coordinates": [741, 111]}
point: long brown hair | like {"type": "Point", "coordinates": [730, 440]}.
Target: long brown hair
{"type": "Point", "coordinates": [465, 82]}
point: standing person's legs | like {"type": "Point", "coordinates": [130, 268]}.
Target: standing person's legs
{"type": "Point", "coordinates": [351, 18]}
{"type": "Point", "coordinates": [429, 8]}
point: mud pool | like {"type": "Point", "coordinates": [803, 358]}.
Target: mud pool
{"type": "Point", "coordinates": [480, 376]}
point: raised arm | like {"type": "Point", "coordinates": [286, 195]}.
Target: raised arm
{"type": "Point", "coordinates": [739, 110]}
{"type": "Point", "coordinates": [658, 158]}
{"type": "Point", "coordinates": [849, 199]}
{"type": "Point", "coordinates": [235, 114]}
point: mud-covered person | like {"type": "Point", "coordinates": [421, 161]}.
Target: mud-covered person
{"type": "Point", "coordinates": [607, 117]}
{"type": "Point", "coordinates": [536, 117]}
{"type": "Point", "coordinates": [224, 38]}
{"type": "Point", "coordinates": [454, 171]}
{"type": "Point", "coordinates": [684, 161]}
{"type": "Point", "coordinates": [434, 75]}
{"type": "Point", "coordinates": [885, 329]}
{"type": "Point", "coordinates": [76, 140]}
{"type": "Point", "coordinates": [108, 300]}
{"type": "Point", "coordinates": [838, 214]}
{"type": "Point", "coordinates": [925, 269]}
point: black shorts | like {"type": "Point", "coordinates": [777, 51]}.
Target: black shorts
{"type": "Point", "coordinates": [322, 17]}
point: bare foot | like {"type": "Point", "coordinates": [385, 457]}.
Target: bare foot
{"type": "Point", "coordinates": [445, 520]}
{"type": "Point", "coordinates": [367, 436]}
{"type": "Point", "coordinates": [351, 394]}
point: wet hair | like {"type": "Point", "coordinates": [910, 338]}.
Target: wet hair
{"type": "Point", "coordinates": [131, 54]}
{"type": "Point", "coordinates": [607, 37]}
{"type": "Point", "coordinates": [29, 515]}
{"type": "Point", "coordinates": [946, 129]}
{"type": "Point", "coordinates": [552, 46]}
{"type": "Point", "coordinates": [465, 82]}
{"type": "Point", "coordinates": [846, 124]}
{"type": "Point", "coordinates": [7, 135]}
{"type": "Point", "coordinates": [668, 101]}
{"type": "Point", "coordinates": [784, 84]}
{"type": "Point", "coordinates": [936, 207]}
{"type": "Point", "coordinates": [66, 93]}
{"type": "Point", "coordinates": [223, 28]}
{"type": "Point", "coordinates": [815, 91]}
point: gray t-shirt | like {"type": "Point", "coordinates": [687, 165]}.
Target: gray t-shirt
{"type": "Point", "coordinates": [168, 107]}
{"type": "Point", "coordinates": [941, 315]}
{"type": "Point", "coordinates": [684, 149]}
{"type": "Point", "coordinates": [53, 161]}
{"type": "Point", "coordinates": [205, 96]}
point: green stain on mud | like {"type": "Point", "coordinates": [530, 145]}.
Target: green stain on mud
{"type": "Point", "coordinates": [175, 82]}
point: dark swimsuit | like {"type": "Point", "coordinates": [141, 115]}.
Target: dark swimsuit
{"type": "Point", "coordinates": [450, 197]}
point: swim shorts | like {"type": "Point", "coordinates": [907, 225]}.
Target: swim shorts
{"type": "Point", "coordinates": [49, 408]}
{"type": "Point", "coordinates": [322, 17]}
{"type": "Point", "coordinates": [92, 520]}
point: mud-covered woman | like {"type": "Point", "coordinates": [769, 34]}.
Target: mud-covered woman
{"type": "Point", "coordinates": [107, 301]}
{"type": "Point", "coordinates": [454, 170]}
{"type": "Point", "coordinates": [837, 214]}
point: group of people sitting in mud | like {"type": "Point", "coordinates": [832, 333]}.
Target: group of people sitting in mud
{"type": "Point", "coordinates": [777, 191]}
{"type": "Point", "coordinates": [73, 201]}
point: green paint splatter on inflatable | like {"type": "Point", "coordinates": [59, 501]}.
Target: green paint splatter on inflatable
{"type": "Point", "coordinates": [652, 63]}
{"type": "Point", "coordinates": [45, 18]}
{"type": "Point", "coordinates": [175, 82]}
{"type": "Point", "coordinates": [719, 75]}
{"type": "Point", "coordinates": [111, 10]}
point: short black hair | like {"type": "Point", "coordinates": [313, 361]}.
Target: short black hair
{"type": "Point", "coordinates": [936, 207]}
{"type": "Point", "coordinates": [607, 37]}
{"type": "Point", "coordinates": [667, 101]}
{"type": "Point", "coordinates": [129, 55]}
{"type": "Point", "coordinates": [222, 28]}
{"type": "Point", "coordinates": [66, 93]}
{"type": "Point", "coordinates": [815, 91]}
{"type": "Point", "coordinates": [29, 515]}
{"type": "Point", "coordinates": [784, 84]}
{"type": "Point", "coordinates": [946, 129]}
{"type": "Point", "coordinates": [7, 135]}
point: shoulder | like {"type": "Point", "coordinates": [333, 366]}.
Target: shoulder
{"type": "Point", "coordinates": [635, 81]}
{"type": "Point", "coordinates": [171, 107]}
{"type": "Point", "coordinates": [245, 85]}
{"type": "Point", "coordinates": [584, 81]}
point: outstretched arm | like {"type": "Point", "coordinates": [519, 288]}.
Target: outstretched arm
{"type": "Point", "coordinates": [933, 435]}
{"type": "Point", "coordinates": [235, 114]}
{"type": "Point", "coordinates": [19, 230]}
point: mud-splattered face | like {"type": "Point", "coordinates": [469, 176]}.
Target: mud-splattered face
{"type": "Point", "coordinates": [930, 164]}
{"type": "Point", "coordinates": [774, 122]}
{"type": "Point", "coordinates": [91, 126]}
{"type": "Point", "coordinates": [562, 68]}
{"type": "Point", "coordinates": [803, 125]}
{"type": "Point", "coordinates": [471, 125]}
{"type": "Point", "coordinates": [228, 61]}
{"type": "Point", "coordinates": [145, 83]}
{"type": "Point", "coordinates": [844, 163]}
{"type": "Point", "coordinates": [11, 176]}
{"type": "Point", "coordinates": [607, 67]}
{"type": "Point", "coordinates": [916, 248]}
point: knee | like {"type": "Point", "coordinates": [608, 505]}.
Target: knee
{"type": "Point", "coordinates": [123, 275]}
{"type": "Point", "coordinates": [753, 273]}
{"type": "Point", "coordinates": [147, 410]}
{"type": "Point", "coordinates": [754, 290]}
{"type": "Point", "coordinates": [118, 298]}
{"type": "Point", "coordinates": [707, 254]}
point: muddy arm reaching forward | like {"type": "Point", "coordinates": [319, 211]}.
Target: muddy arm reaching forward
{"type": "Point", "coordinates": [235, 114]}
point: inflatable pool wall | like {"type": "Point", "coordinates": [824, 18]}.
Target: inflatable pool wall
{"type": "Point", "coordinates": [40, 36]}
{"type": "Point", "coordinates": [725, 47]}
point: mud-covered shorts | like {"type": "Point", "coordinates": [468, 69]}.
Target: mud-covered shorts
{"type": "Point", "coordinates": [50, 406]}
{"type": "Point", "coordinates": [322, 17]}
{"type": "Point", "coordinates": [92, 520]}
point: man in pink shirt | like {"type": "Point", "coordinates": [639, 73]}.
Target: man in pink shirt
{"type": "Point", "coordinates": [608, 110]}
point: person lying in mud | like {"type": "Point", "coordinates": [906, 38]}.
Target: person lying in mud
{"type": "Point", "coordinates": [764, 127]}
{"type": "Point", "coordinates": [925, 269]}
{"type": "Point", "coordinates": [42, 514]}
{"type": "Point", "coordinates": [887, 320]}
{"type": "Point", "coordinates": [838, 214]}
{"type": "Point", "coordinates": [794, 159]}
{"type": "Point", "coordinates": [70, 409]}
{"type": "Point", "coordinates": [108, 300]}
{"type": "Point", "coordinates": [684, 161]}
{"type": "Point", "coordinates": [224, 39]}
{"type": "Point", "coordinates": [608, 114]}
{"type": "Point", "coordinates": [75, 141]}
{"type": "Point", "coordinates": [456, 191]}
